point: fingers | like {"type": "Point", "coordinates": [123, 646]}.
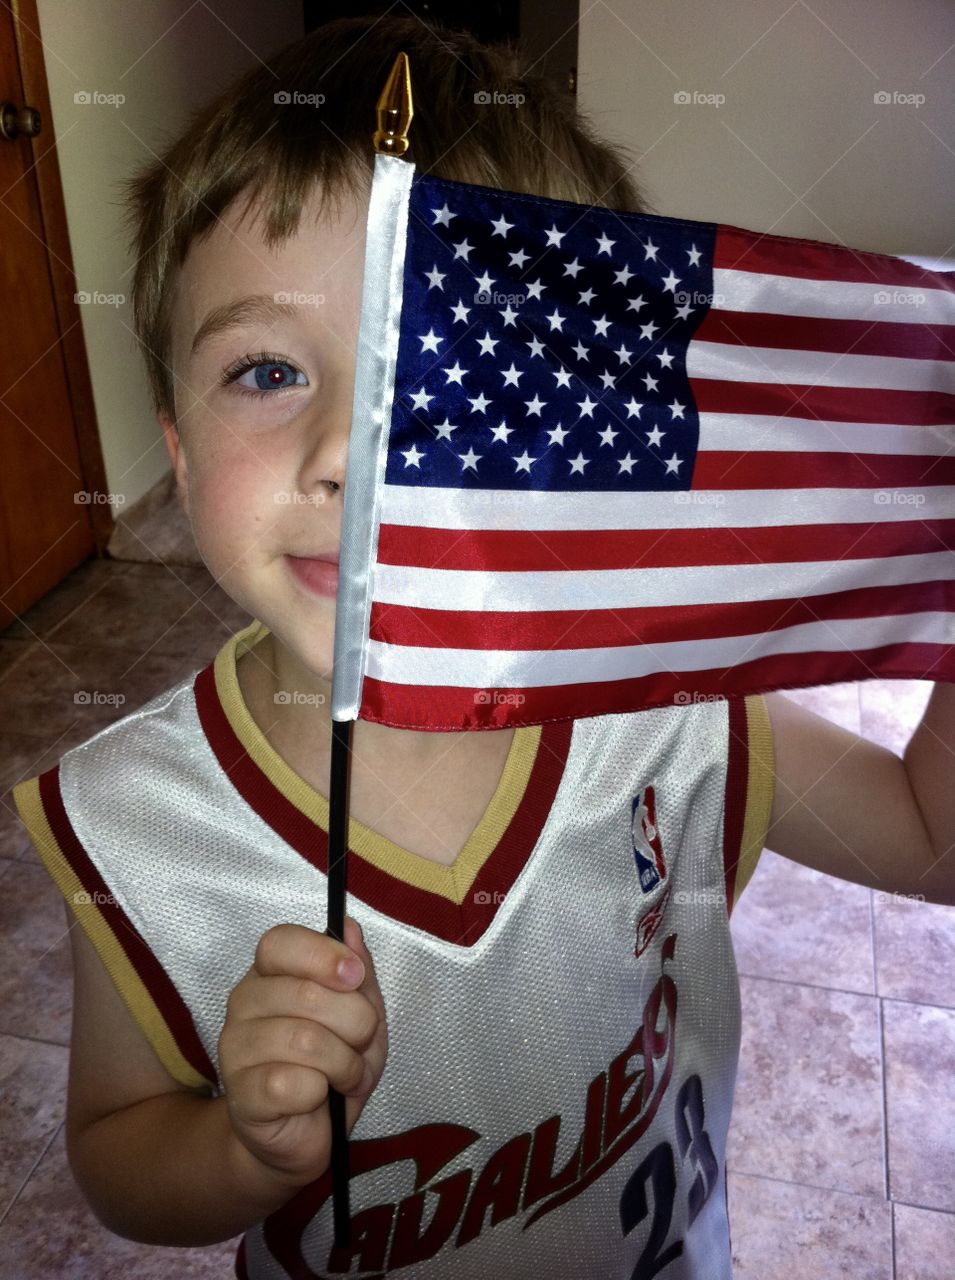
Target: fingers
{"type": "Point", "coordinates": [296, 950]}
{"type": "Point", "coordinates": [265, 1091]}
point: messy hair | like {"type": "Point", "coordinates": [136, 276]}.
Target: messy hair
{"type": "Point", "coordinates": [264, 136]}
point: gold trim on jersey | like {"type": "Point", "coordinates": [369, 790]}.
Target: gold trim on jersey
{"type": "Point", "coordinates": [451, 882]}
{"type": "Point", "coordinates": [760, 782]}
{"type": "Point", "coordinates": [118, 965]}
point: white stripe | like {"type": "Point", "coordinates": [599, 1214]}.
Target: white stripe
{"type": "Point", "coordinates": [727, 362]}
{"type": "Point", "coordinates": [534, 669]}
{"type": "Point", "coordinates": [527, 592]}
{"type": "Point", "coordinates": [754, 291]}
{"type": "Point", "coordinates": [439, 508]}
{"type": "Point", "coordinates": [755, 433]}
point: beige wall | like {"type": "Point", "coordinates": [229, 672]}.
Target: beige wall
{"type": "Point", "coordinates": [799, 146]}
{"type": "Point", "coordinates": [166, 57]}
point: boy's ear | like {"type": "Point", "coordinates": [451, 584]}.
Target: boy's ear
{"type": "Point", "coordinates": [177, 456]}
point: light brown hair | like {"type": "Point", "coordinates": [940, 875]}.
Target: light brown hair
{"type": "Point", "coordinates": [248, 137]}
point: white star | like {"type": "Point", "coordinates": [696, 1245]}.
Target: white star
{"type": "Point", "coordinates": [509, 314]}
{"type": "Point", "coordinates": [536, 346]}
{"type": "Point", "coordinates": [413, 457]}
{"type": "Point", "coordinates": [556, 320]}
{"type": "Point", "coordinates": [519, 258]}
{"type": "Point", "coordinates": [455, 373]}
{"type": "Point", "coordinates": [563, 377]}
{"type": "Point", "coordinates": [623, 275]}
{"type": "Point", "coordinates": [435, 276]}
{"type": "Point", "coordinates": [511, 375]}
{"type": "Point", "coordinates": [587, 296]}
{"type": "Point", "coordinates": [487, 344]}
{"type": "Point", "coordinates": [534, 289]}
{"type": "Point", "coordinates": [577, 464]}
{"type": "Point", "coordinates": [501, 432]}
{"type": "Point", "coordinates": [650, 249]}
{"type": "Point", "coordinates": [501, 227]}
{"type": "Point", "coordinates": [655, 436]}
{"type": "Point", "coordinates": [604, 243]}
{"type": "Point", "coordinates": [484, 283]}
{"type": "Point", "coordinates": [694, 255]}
{"type": "Point", "coordinates": [462, 250]}
{"type": "Point", "coordinates": [651, 384]}
{"type": "Point", "coordinates": [444, 215]}
{"type": "Point", "coordinates": [479, 404]}
{"type": "Point", "coordinates": [623, 353]}
{"type": "Point", "coordinates": [677, 409]}
{"type": "Point", "coordinates": [429, 341]}
{"type": "Point", "coordinates": [587, 407]}
{"type": "Point", "coordinates": [420, 399]}
{"type": "Point", "coordinates": [535, 405]}
{"type": "Point", "coordinates": [671, 281]}
{"type": "Point", "coordinates": [672, 464]}
{"type": "Point", "coordinates": [633, 409]}
{"type": "Point", "coordinates": [608, 380]}
{"type": "Point", "coordinates": [554, 237]}
{"type": "Point", "coordinates": [665, 358]}
{"type": "Point", "coordinates": [607, 436]}
{"type": "Point", "coordinates": [524, 461]}
{"type": "Point", "coordinates": [601, 326]}
{"type": "Point", "coordinates": [634, 304]}
{"type": "Point", "coordinates": [648, 330]}
{"type": "Point", "coordinates": [580, 351]}
{"type": "Point", "coordinates": [461, 312]}
{"type": "Point", "coordinates": [683, 310]}
{"type": "Point", "coordinates": [627, 464]}
{"type": "Point", "coordinates": [443, 429]}
{"type": "Point", "coordinates": [557, 434]}
{"type": "Point", "coordinates": [470, 459]}
{"type": "Point", "coordinates": [573, 269]}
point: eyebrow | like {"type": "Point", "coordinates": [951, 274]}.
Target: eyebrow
{"type": "Point", "coordinates": [255, 307]}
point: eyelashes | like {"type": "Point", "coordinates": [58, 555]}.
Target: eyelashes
{"type": "Point", "coordinates": [245, 363]}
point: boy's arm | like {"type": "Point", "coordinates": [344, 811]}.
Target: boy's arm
{"type": "Point", "coordinates": [853, 809]}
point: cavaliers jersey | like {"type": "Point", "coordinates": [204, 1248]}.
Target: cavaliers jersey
{"type": "Point", "coordinates": [563, 1001]}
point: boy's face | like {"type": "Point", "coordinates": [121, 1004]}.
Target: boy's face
{"type": "Point", "coordinates": [260, 460]}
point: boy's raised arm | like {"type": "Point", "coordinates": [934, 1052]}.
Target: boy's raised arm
{"type": "Point", "coordinates": [930, 764]}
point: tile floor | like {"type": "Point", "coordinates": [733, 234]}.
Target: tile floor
{"type": "Point", "coordinates": [842, 1148]}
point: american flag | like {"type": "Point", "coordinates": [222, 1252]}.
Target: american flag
{"type": "Point", "coordinates": [615, 461]}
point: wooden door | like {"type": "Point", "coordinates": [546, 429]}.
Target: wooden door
{"type": "Point", "coordinates": [49, 445]}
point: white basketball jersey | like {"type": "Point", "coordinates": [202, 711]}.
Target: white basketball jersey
{"type": "Point", "coordinates": [563, 1003]}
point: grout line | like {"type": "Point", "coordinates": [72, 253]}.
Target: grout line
{"type": "Point", "coordinates": [5, 1214]}
{"type": "Point", "coordinates": [846, 991]}
{"type": "Point", "coordinates": [810, 1186]}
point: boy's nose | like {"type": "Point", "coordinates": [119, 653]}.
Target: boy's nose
{"type": "Point", "coordinates": [324, 461]}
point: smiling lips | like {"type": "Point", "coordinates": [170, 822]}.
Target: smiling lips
{"type": "Point", "coordinates": [318, 574]}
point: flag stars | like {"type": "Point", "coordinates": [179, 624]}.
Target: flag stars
{"type": "Point", "coordinates": [509, 314]}
{"type": "Point", "coordinates": [650, 249]}
{"type": "Point", "coordinates": [603, 244]}
{"type": "Point", "coordinates": [607, 436]}
{"type": "Point", "coordinates": [455, 373]}
{"type": "Point", "coordinates": [470, 459]}
{"type": "Point", "coordinates": [557, 434]}
{"type": "Point", "coordinates": [534, 289]}
{"type": "Point", "coordinates": [429, 341]}
{"type": "Point", "coordinates": [684, 310]}
{"type": "Point", "coordinates": [608, 380]}
{"type": "Point", "coordinates": [534, 406]}
{"type": "Point", "coordinates": [462, 249]}
{"type": "Point", "coordinates": [487, 343]}
{"type": "Point", "coordinates": [694, 255]}
{"type": "Point", "coordinates": [636, 304]}
{"type": "Point", "coordinates": [587, 297]}
{"type": "Point", "coordinates": [563, 377]}
{"type": "Point", "coordinates": [435, 277]}
{"type": "Point", "coordinates": [655, 436]}
{"type": "Point", "coordinates": [519, 258]}
{"type": "Point", "coordinates": [626, 464]}
{"type": "Point", "coordinates": [665, 358]}
{"type": "Point", "coordinates": [648, 330]}
{"type": "Point", "coordinates": [554, 237]}
{"type": "Point", "coordinates": [524, 462]}
{"type": "Point", "coordinates": [633, 408]}
{"type": "Point", "coordinates": [501, 431]}
{"type": "Point", "coordinates": [670, 282]}
{"type": "Point", "coordinates": [650, 382]}
{"type": "Point", "coordinates": [443, 215]}
{"type": "Point", "coordinates": [412, 457]}
{"type": "Point", "coordinates": [443, 429]}
{"type": "Point", "coordinates": [461, 312]}
{"type": "Point", "coordinates": [420, 399]}
{"type": "Point", "coordinates": [484, 283]}
{"type": "Point", "coordinates": [677, 409]}
{"type": "Point", "coordinates": [577, 464]}
{"type": "Point", "coordinates": [479, 403]}
{"type": "Point", "coordinates": [601, 326]}
{"type": "Point", "coordinates": [511, 375]}
{"type": "Point", "coordinates": [536, 346]}
{"type": "Point", "coordinates": [672, 465]}
{"type": "Point", "coordinates": [556, 320]}
{"type": "Point", "coordinates": [587, 407]}
{"type": "Point", "coordinates": [573, 268]}
{"type": "Point", "coordinates": [580, 351]}
{"type": "Point", "coordinates": [501, 226]}
{"type": "Point", "coordinates": [623, 275]}
{"type": "Point", "coordinates": [623, 354]}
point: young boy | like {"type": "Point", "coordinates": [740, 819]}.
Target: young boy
{"type": "Point", "coordinates": [551, 1092]}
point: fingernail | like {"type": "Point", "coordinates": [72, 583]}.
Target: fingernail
{"type": "Point", "coordinates": [351, 970]}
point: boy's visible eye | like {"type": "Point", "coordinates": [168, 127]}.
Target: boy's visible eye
{"type": "Point", "coordinates": [269, 373]}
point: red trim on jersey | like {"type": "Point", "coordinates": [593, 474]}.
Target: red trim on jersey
{"type": "Point", "coordinates": [171, 1006]}
{"type": "Point", "coordinates": [737, 780]}
{"type": "Point", "coordinates": [462, 924]}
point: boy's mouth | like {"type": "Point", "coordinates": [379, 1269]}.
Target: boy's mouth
{"type": "Point", "coordinates": [317, 574]}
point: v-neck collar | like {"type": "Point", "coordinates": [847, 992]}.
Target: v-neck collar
{"type": "Point", "coordinates": [456, 902]}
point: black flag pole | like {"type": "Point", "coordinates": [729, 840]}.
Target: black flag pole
{"type": "Point", "coordinates": [394, 111]}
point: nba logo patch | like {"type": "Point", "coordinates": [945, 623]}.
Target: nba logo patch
{"type": "Point", "coordinates": [645, 838]}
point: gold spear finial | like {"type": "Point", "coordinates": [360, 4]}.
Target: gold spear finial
{"type": "Point", "coordinates": [394, 110]}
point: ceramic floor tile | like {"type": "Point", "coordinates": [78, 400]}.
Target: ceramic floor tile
{"type": "Point", "coordinates": [785, 1232]}
{"type": "Point", "coordinates": [837, 702]}
{"type": "Point", "coordinates": [21, 756]}
{"type": "Point", "coordinates": [799, 925]}
{"type": "Point", "coordinates": [36, 966]}
{"type": "Point", "coordinates": [920, 1104]}
{"type": "Point", "coordinates": [808, 1102]}
{"type": "Point", "coordinates": [915, 950]}
{"type": "Point", "coordinates": [891, 709]}
{"type": "Point", "coordinates": [32, 1103]}
{"type": "Point", "coordinates": [51, 1233]}
{"type": "Point", "coordinates": [924, 1244]}
{"type": "Point", "coordinates": [81, 587]}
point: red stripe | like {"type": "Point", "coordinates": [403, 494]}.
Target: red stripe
{"type": "Point", "coordinates": [550, 630]}
{"type": "Point", "coordinates": [462, 924]}
{"type": "Point", "coordinates": [737, 249]}
{"type": "Point", "coordinates": [169, 1002]}
{"type": "Point", "coordinates": [445, 707]}
{"type": "Point", "coordinates": [546, 550]}
{"type": "Point", "coordinates": [737, 781]}
{"type": "Point", "coordinates": [872, 337]}
{"type": "Point", "coordinates": [729, 469]}
{"type": "Point", "coordinates": [825, 404]}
